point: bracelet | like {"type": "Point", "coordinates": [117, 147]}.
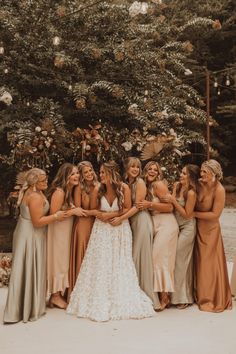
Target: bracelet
{"type": "Point", "coordinates": [55, 216]}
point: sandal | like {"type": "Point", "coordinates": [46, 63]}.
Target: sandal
{"type": "Point", "coordinates": [182, 306]}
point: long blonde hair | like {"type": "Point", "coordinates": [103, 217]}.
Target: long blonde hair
{"type": "Point", "coordinates": [111, 168]}
{"type": "Point", "coordinates": [130, 162]}
{"type": "Point", "coordinates": [150, 185]}
{"type": "Point", "coordinates": [61, 181]}
{"type": "Point", "coordinates": [83, 185]}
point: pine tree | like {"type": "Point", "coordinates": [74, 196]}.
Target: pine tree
{"type": "Point", "coordinates": [96, 81]}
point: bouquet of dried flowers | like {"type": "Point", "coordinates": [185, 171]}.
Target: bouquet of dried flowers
{"type": "Point", "coordinates": [5, 270]}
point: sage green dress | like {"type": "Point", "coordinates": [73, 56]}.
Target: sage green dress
{"type": "Point", "coordinates": [183, 274]}
{"type": "Point", "coordinates": [142, 232]}
{"type": "Point", "coordinates": [26, 300]}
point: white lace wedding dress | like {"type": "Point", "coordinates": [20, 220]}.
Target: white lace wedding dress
{"type": "Point", "coordinates": [107, 286]}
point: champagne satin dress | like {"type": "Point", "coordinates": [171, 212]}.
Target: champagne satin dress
{"type": "Point", "coordinates": [80, 237]}
{"type": "Point", "coordinates": [212, 290]}
{"type": "Point", "coordinates": [142, 232]}
{"type": "Point", "coordinates": [26, 300]}
{"type": "Point", "coordinates": [183, 273]}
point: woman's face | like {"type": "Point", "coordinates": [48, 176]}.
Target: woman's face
{"type": "Point", "coordinates": [42, 183]}
{"type": "Point", "coordinates": [184, 176]}
{"type": "Point", "coordinates": [206, 175]}
{"type": "Point", "coordinates": [152, 173]}
{"type": "Point", "coordinates": [74, 177]}
{"type": "Point", "coordinates": [133, 171]}
{"type": "Point", "coordinates": [104, 177]}
{"type": "Point", "coordinates": [88, 174]}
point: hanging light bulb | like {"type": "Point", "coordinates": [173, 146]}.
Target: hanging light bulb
{"type": "Point", "coordinates": [218, 92]}
{"type": "Point", "coordinates": [216, 82]}
{"type": "Point", "coordinates": [56, 40]}
{"type": "Point", "coordinates": [70, 87]}
{"type": "Point", "coordinates": [227, 82]}
{"type": "Point", "coordinates": [6, 71]}
{"type": "Point", "coordinates": [146, 92]}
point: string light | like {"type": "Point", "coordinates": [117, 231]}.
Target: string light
{"type": "Point", "coordinates": [218, 91]}
{"type": "Point", "coordinates": [6, 71]}
{"type": "Point", "coordinates": [215, 82]}
{"type": "Point", "coordinates": [1, 48]}
{"type": "Point", "coordinates": [227, 82]}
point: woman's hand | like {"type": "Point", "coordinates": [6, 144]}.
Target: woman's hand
{"type": "Point", "coordinates": [144, 204]}
{"type": "Point", "coordinates": [116, 221]}
{"type": "Point", "coordinates": [168, 198]}
{"type": "Point", "coordinates": [76, 211]}
{"type": "Point", "coordinates": [60, 215]}
{"type": "Point", "coordinates": [103, 216]}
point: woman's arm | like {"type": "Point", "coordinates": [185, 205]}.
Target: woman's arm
{"type": "Point", "coordinates": [93, 205]}
{"type": "Point", "coordinates": [218, 206]}
{"type": "Point", "coordinates": [187, 211]}
{"type": "Point", "coordinates": [36, 206]}
{"type": "Point", "coordinates": [160, 190]}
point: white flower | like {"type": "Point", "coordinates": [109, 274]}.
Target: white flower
{"type": "Point", "coordinates": [44, 133]}
{"type": "Point", "coordinates": [6, 98]}
{"type": "Point", "coordinates": [47, 143]}
{"type": "Point", "coordinates": [163, 168]}
{"type": "Point", "coordinates": [127, 145]}
{"type": "Point", "coordinates": [138, 8]}
{"type": "Point", "coordinates": [53, 132]}
{"type": "Point", "coordinates": [188, 72]}
{"type": "Point", "coordinates": [38, 129]}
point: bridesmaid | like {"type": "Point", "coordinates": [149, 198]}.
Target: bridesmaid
{"type": "Point", "coordinates": [212, 283]}
{"type": "Point", "coordinates": [184, 199]}
{"type": "Point", "coordinates": [83, 225]}
{"type": "Point", "coordinates": [165, 232]}
{"type": "Point", "coordinates": [26, 300]}
{"type": "Point", "coordinates": [142, 229]}
{"type": "Point", "coordinates": [59, 235]}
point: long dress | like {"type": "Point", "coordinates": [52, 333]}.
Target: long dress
{"type": "Point", "coordinates": [142, 232]}
{"type": "Point", "coordinates": [80, 237]}
{"type": "Point", "coordinates": [212, 290]}
{"type": "Point", "coordinates": [58, 255]}
{"type": "Point", "coordinates": [107, 285]}
{"type": "Point", "coordinates": [166, 232]}
{"type": "Point", "coordinates": [183, 274]}
{"type": "Point", "coordinates": [26, 300]}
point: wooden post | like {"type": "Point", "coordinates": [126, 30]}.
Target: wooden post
{"type": "Point", "coordinates": [208, 113]}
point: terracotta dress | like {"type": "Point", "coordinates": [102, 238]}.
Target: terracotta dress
{"type": "Point", "coordinates": [142, 233]}
{"type": "Point", "coordinates": [183, 273]}
{"type": "Point", "coordinates": [80, 238]}
{"type": "Point", "coordinates": [212, 290]}
{"type": "Point", "coordinates": [58, 255]}
{"type": "Point", "coordinates": [26, 300]}
{"type": "Point", "coordinates": [166, 232]}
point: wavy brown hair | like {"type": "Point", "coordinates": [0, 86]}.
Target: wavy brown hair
{"type": "Point", "coordinates": [112, 170]}
{"type": "Point", "coordinates": [61, 181]}
{"type": "Point", "coordinates": [83, 185]}
{"type": "Point", "coordinates": [150, 185]}
{"type": "Point", "coordinates": [193, 172]}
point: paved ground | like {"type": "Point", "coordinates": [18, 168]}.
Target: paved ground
{"type": "Point", "coordinates": [175, 331]}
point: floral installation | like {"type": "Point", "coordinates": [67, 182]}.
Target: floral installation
{"type": "Point", "coordinates": [5, 269]}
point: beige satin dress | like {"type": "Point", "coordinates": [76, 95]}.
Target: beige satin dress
{"type": "Point", "coordinates": [80, 237]}
{"type": "Point", "coordinates": [233, 279]}
{"type": "Point", "coordinates": [26, 300]}
{"type": "Point", "coordinates": [212, 290]}
{"type": "Point", "coordinates": [166, 232]}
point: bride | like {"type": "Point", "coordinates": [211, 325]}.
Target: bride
{"type": "Point", "coordinates": [107, 285]}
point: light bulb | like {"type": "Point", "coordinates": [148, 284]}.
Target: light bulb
{"type": "Point", "coordinates": [146, 92]}
{"type": "Point", "coordinates": [227, 82]}
{"type": "Point", "coordinates": [216, 82]}
{"type": "Point", "coordinates": [1, 49]}
{"type": "Point", "coordinates": [70, 87]}
{"type": "Point", "coordinates": [218, 92]}
{"type": "Point", "coordinates": [6, 71]}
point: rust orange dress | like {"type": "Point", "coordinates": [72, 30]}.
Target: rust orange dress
{"type": "Point", "coordinates": [80, 237]}
{"type": "Point", "coordinates": [212, 290]}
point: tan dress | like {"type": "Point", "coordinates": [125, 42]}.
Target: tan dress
{"type": "Point", "coordinates": [142, 233]}
{"type": "Point", "coordinates": [166, 232]}
{"type": "Point", "coordinates": [212, 290]}
{"type": "Point", "coordinates": [26, 300]}
{"type": "Point", "coordinates": [58, 255]}
{"type": "Point", "coordinates": [80, 238]}
{"type": "Point", "coordinates": [183, 293]}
